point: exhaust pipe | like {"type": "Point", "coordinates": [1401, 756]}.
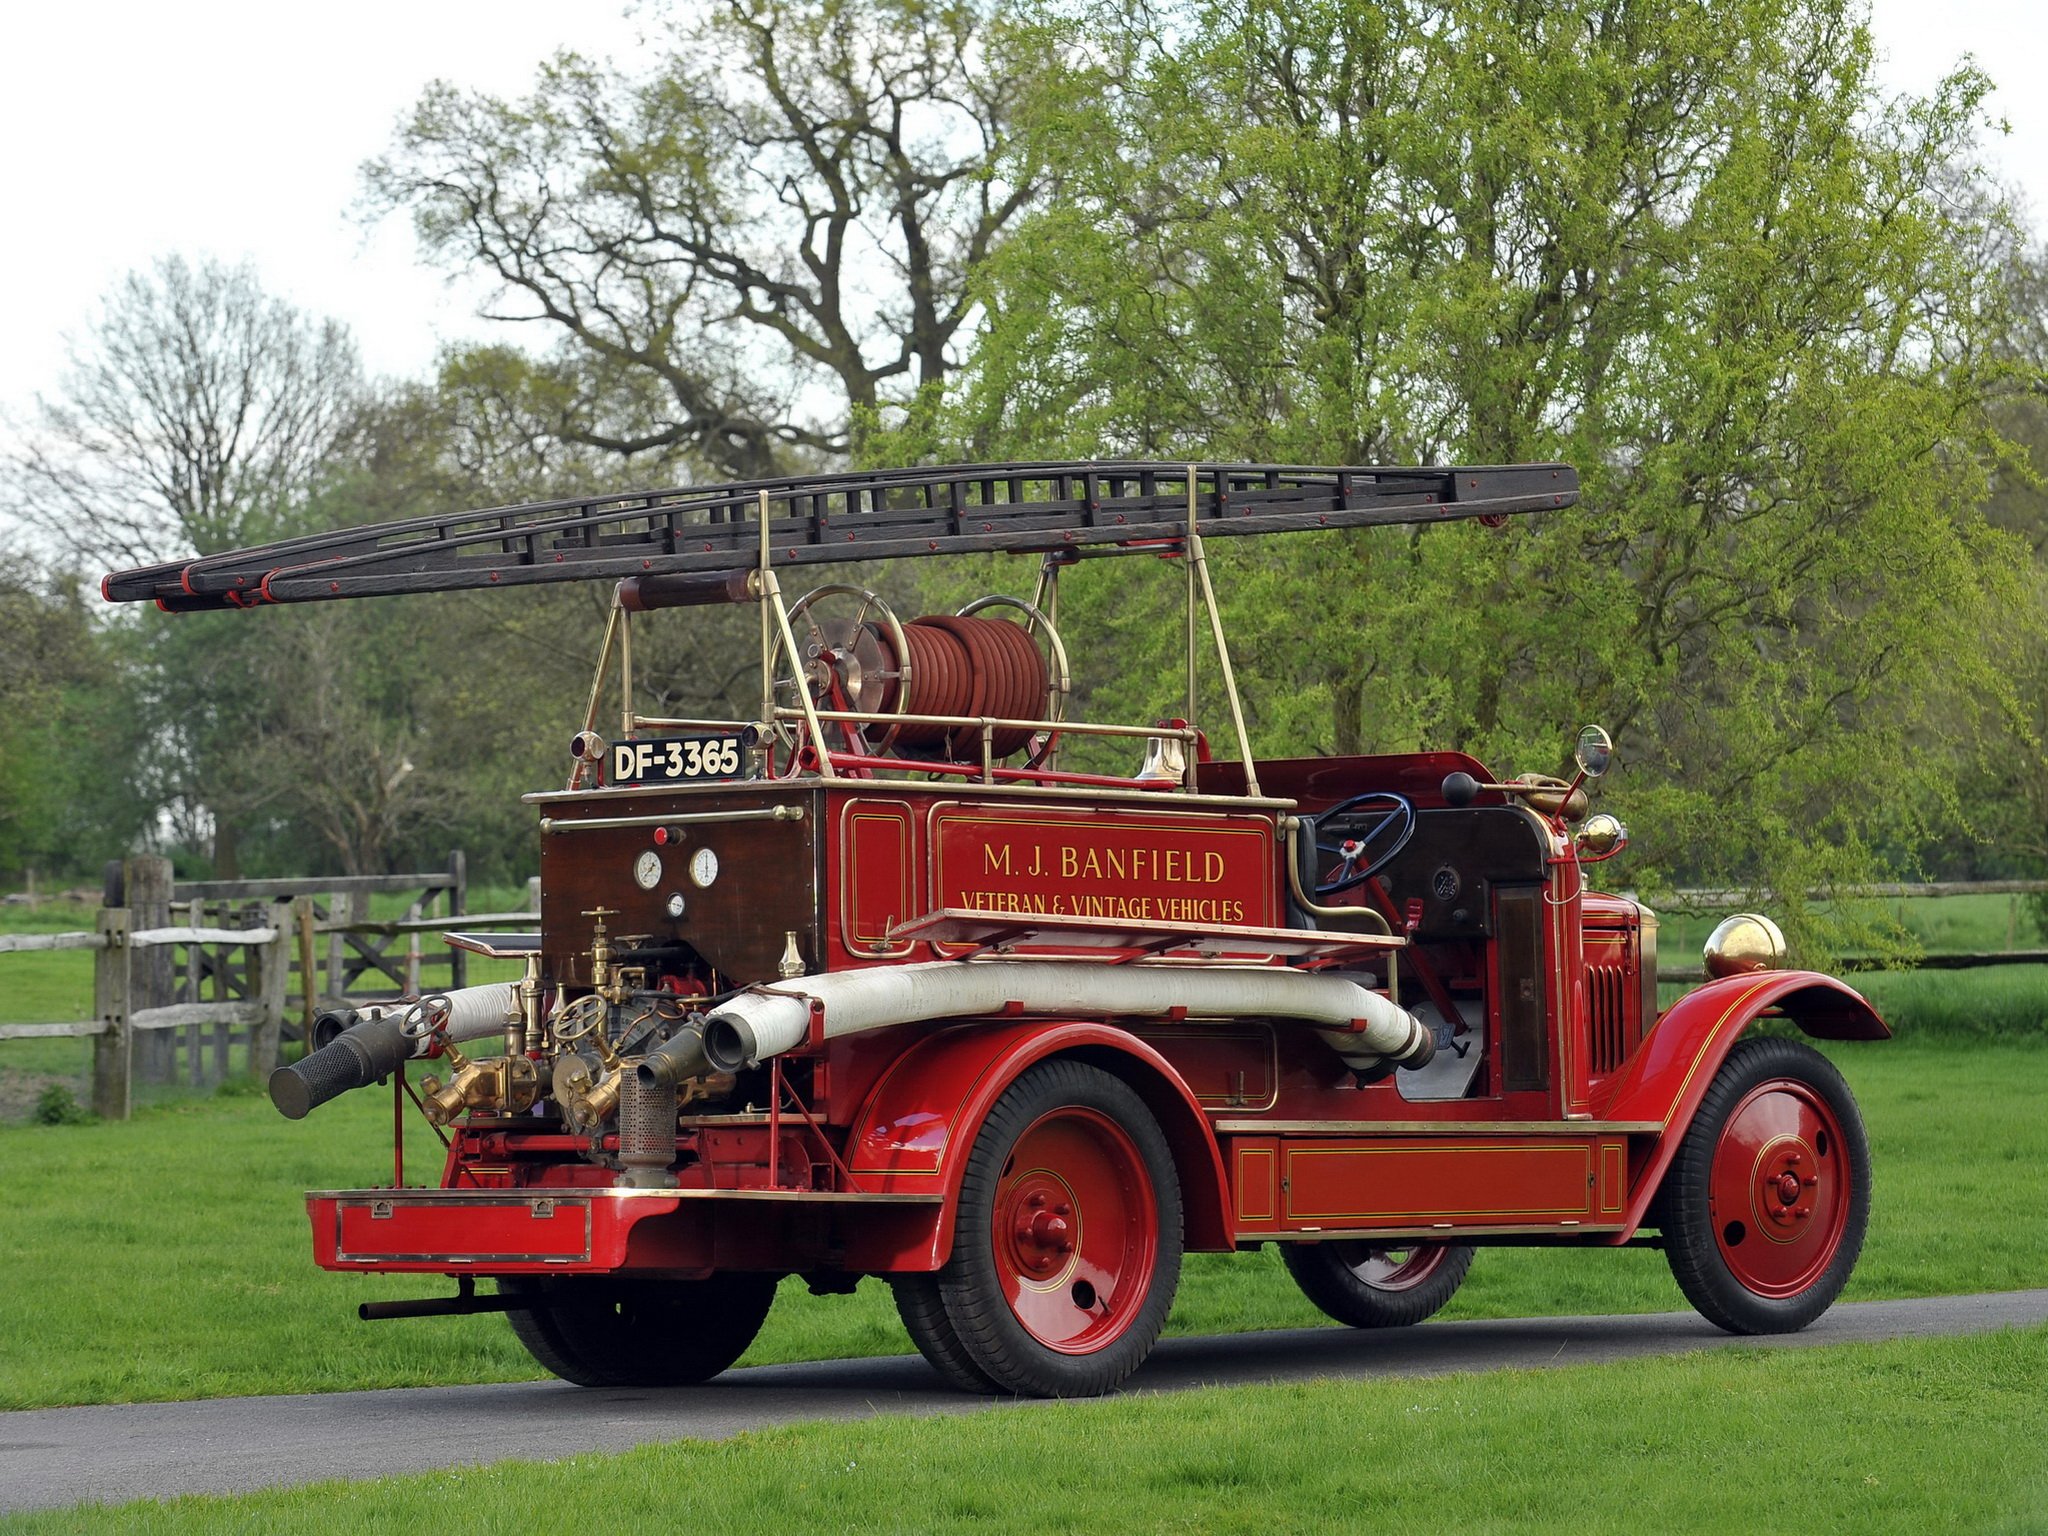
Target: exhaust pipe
{"type": "Point", "coordinates": [371, 1045]}
{"type": "Point", "coordinates": [766, 1021]}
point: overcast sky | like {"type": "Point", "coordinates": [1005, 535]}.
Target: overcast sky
{"type": "Point", "coordinates": [235, 130]}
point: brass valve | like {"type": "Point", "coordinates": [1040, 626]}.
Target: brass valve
{"type": "Point", "coordinates": [601, 951]}
{"type": "Point", "coordinates": [530, 1027]}
{"type": "Point", "coordinates": [610, 980]}
{"type": "Point", "coordinates": [585, 1101]}
{"type": "Point", "coordinates": [507, 1084]}
{"type": "Point", "coordinates": [709, 1087]}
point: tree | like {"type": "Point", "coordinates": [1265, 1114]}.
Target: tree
{"type": "Point", "coordinates": [196, 411]}
{"type": "Point", "coordinates": [2005, 799]}
{"type": "Point", "coordinates": [783, 214]}
{"type": "Point", "coordinates": [1687, 248]}
{"type": "Point", "coordinates": [66, 743]}
{"type": "Point", "coordinates": [198, 414]}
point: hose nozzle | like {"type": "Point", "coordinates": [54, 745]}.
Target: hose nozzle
{"type": "Point", "coordinates": [679, 1060]}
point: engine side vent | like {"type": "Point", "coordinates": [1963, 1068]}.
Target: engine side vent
{"type": "Point", "coordinates": [1607, 1007]}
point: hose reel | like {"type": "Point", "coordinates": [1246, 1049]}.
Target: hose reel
{"type": "Point", "coordinates": [859, 657]}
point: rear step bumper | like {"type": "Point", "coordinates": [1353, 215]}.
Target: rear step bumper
{"type": "Point", "coordinates": [552, 1231]}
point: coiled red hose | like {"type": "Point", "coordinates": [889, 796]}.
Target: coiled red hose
{"type": "Point", "coordinates": [971, 667]}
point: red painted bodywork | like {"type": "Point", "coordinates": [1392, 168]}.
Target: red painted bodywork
{"type": "Point", "coordinates": [1670, 1075]}
{"type": "Point", "coordinates": [913, 1133]}
{"type": "Point", "coordinates": [1573, 1098]}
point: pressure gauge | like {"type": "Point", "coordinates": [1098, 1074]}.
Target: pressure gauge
{"type": "Point", "coordinates": [647, 870]}
{"type": "Point", "coordinates": [675, 906]}
{"type": "Point", "coordinates": [703, 866]}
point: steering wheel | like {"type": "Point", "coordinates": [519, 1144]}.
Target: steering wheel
{"type": "Point", "coordinates": [1392, 822]}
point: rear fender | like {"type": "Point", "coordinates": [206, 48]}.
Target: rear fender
{"type": "Point", "coordinates": [1670, 1073]}
{"type": "Point", "coordinates": [914, 1133]}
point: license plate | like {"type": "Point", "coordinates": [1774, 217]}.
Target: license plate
{"type": "Point", "coordinates": [676, 760]}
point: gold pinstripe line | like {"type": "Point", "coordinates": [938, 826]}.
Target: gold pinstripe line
{"type": "Point", "coordinates": [1708, 1043]}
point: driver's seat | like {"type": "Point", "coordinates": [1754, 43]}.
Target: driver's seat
{"type": "Point", "coordinates": [1308, 857]}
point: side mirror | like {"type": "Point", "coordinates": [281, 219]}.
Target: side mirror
{"type": "Point", "coordinates": [1595, 753]}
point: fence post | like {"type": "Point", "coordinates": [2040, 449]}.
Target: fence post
{"type": "Point", "coordinates": [412, 953]}
{"type": "Point", "coordinates": [341, 911]}
{"type": "Point", "coordinates": [223, 1032]}
{"type": "Point", "coordinates": [112, 1047]}
{"type": "Point", "coordinates": [309, 983]}
{"type": "Point", "coordinates": [458, 904]}
{"type": "Point", "coordinates": [147, 881]}
{"type": "Point", "coordinates": [194, 991]}
{"type": "Point", "coordinates": [273, 975]}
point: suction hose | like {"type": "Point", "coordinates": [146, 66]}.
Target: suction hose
{"type": "Point", "coordinates": [372, 1046]}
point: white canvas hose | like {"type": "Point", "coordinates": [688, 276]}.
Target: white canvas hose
{"type": "Point", "coordinates": [473, 1012]}
{"type": "Point", "coordinates": [1362, 1025]}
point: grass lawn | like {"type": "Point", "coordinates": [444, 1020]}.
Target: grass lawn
{"type": "Point", "coordinates": [168, 1257]}
{"type": "Point", "coordinates": [1911, 1436]}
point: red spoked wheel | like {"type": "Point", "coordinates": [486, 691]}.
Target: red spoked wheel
{"type": "Point", "coordinates": [1068, 1245]}
{"type": "Point", "coordinates": [1765, 1206]}
{"type": "Point", "coordinates": [1377, 1285]}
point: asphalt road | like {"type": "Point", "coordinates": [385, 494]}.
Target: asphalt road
{"type": "Point", "coordinates": [61, 1456]}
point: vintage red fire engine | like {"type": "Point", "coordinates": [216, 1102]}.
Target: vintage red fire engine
{"type": "Point", "coordinates": [881, 982]}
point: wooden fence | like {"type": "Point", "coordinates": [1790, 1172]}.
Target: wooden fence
{"type": "Point", "coordinates": [214, 965]}
{"type": "Point", "coordinates": [273, 952]}
{"type": "Point", "coordinates": [1700, 902]}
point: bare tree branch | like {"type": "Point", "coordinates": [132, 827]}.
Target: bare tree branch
{"type": "Point", "coordinates": [777, 225]}
{"type": "Point", "coordinates": [196, 410]}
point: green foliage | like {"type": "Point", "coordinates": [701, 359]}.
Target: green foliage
{"type": "Point", "coordinates": [2002, 1002]}
{"type": "Point", "coordinates": [56, 1106]}
{"type": "Point", "coordinates": [1783, 326]}
{"type": "Point", "coordinates": [64, 736]}
{"type": "Point", "coordinates": [1688, 249]}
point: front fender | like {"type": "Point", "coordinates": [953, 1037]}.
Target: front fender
{"type": "Point", "coordinates": [914, 1133]}
{"type": "Point", "coordinates": [1670, 1073]}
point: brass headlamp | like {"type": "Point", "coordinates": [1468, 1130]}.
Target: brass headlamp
{"type": "Point", "coordinates": [1744, 943]}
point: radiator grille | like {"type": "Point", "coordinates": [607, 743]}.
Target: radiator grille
{"type": "Point", "coordinates": [1607, 1015]}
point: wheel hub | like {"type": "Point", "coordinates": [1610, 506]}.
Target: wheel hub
{"type": "Point", "coordinates": [1783, 1178]}
{"type": "Point", "coordinates": [1780, 1191]}
{"type": "Point", "coordinates": [1073, 1234]}
{"type": "Point", "coordinates": [1391, 1269]}
{"type": "Point", "coordinates": [1044, 1231]}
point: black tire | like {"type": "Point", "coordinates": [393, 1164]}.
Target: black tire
{"type": "Point", "coordinates": [1765, 1206]}
{"type": "Point", "coordinates": [923, 1312]}
{"type": "Point", "coordinates": [1096, 1174]}
{"type": "Point", "coordinates": [600, 1331]}
{"type": "Point", "coordinates": [1378, 1285]}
